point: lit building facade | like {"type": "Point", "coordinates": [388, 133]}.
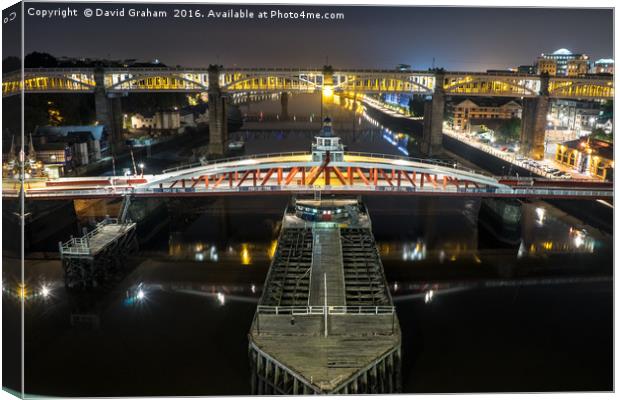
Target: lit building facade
{"type": "Point", "coordinates": [460, 114]}
{"type": "Point", "coordinates": [603, 66]}
{"type": "Point", "coordinates": [564, 63]}
{"type": "Point", "coordinates": [56, 157]}
{"type": "Point", "coordinates": [549, 67]}
{"type": "Point", "coordinates": [577, 67]}
{"type": "Point", "coordinates": [587, 156]}
{"type": "Point", "coordinates": [572, 115]}
{"type": "Point", "coordinates": [161, 120]}
{"type": "Point", "coordinates": [87, 142]}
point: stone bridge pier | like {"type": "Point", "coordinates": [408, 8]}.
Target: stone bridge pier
{"type": "Point", "coordinates": [218, 104]}
{"type": "Point", "coordinates": [534, 122]}
{"type": "Point", "coordinates": [108, 112]}
{"type": "Point", "coordinates": [284, 106]}
{"type": "Point", "coordinates": [432, 133]}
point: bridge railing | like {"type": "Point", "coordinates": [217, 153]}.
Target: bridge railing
{"type": "Point", "coordinates": [81, 245]}
{"type": "Point", "coordinates": [232, 159]}
{"type": "Point", "coordinates": [321, 310]}
{"type": "Point", "coordinates": [183, 166]}
{"type": "Point", "coordinates": [432, 161]}
{"type": "Point", "coordinates": [513, 191]}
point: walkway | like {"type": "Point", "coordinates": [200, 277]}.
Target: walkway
{"type": "Point", "coordinates": [327, 261]}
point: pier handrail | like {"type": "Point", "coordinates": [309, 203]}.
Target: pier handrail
{"type": "Point", "coordinates": [294, 310]}
{"type": "Point", "coordinates": [80, 245]}
{"type": "Point", "coordinates": [361, 310]}
{"type": "Point", "coordinates": [321, 310]}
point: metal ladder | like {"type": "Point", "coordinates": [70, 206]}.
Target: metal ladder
{"type": "Point", "coordinates": [122, 218]}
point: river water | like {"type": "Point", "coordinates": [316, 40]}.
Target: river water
{"type": "Point", "coordinates": [476, 315]}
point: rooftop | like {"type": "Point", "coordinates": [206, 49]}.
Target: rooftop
{"type": "Point", "coordinates": [562, 51]}
{"type": "Point", "coordinates": [95, 131]}
{"type": "Point", "coordinates": [599, 147]}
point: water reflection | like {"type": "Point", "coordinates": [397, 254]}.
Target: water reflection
{"type": "Point", "coordinates": [145, 292]}
{"type": "Point", "coordinates": [35, 290]}
{"type": "Point", "coordinates": [246, 253]}
{"type": "Point", "coordinates": [546, 231]}
{"type": "Point", "coordinates": [415, 252]}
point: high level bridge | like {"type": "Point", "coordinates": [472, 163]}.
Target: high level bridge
{"type": "Point", "coordinates": [295, 173]}
{"type": "Point", "coordinates": [109, 83]}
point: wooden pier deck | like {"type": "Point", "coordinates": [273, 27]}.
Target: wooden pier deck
{"type": "Point", "coordinates": [98, 256]}
{"type": "Point", "coordinates": [329, 362]}
{"type": "Point", "coordinates": [105, 233]}
{"type": "Point", "coordinates": [327, 270]}
{"type": "Point", "coordinates": [325, 322]}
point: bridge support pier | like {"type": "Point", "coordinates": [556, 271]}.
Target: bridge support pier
{"type": "Point", "coordinates": [284, 106]}
{"type": "Point", "coordinates": [533, 125]}
{"type": "Point", "coordinates": [501, 218]}
{"type": "Point", "coordinates": [108, 112]}
{"type": "Point", "coordinates": [433, 120]}
{"type": "Point", "coordinates": [534, 122]}
{"type": "Point", "coordinates": [218, 104]}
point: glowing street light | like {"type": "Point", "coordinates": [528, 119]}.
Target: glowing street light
{"type": "Point", "coordinates": [328, 91]}
{"type": "Point", "coordinates": [540, 214]}
{"type": "Point", "coordinates": [221, 298]}
{"type": "Point", "coordinates": [428, 297]}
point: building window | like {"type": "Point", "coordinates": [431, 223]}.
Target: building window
{"type": "Point", "coordinates": [572, 159]}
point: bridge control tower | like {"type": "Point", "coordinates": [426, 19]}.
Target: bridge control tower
{"type": "Point", "coordinates": [326, 142]}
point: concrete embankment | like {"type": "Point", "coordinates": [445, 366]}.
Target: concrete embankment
{"type": "Point", "coordinates": [594, 213]}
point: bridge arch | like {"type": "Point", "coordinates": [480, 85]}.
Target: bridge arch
{"type": "Point", "coordinates": [159, 81]}
{"type": "Point", "coordinates": [384, 83]}
{"type": "Point", "coordinates": [271, 82]}
{"type": "Point", "coordinates": [498, 87]}
{"type": "Point", "coordinates": [47, 82]}
{"type": "Point", "coordinates": [577, 88]}
{"type": "Point", "coordinates": [357, 170]}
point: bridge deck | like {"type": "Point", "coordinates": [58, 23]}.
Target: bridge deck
{"type": "Point", "coordinates": [327, 266]}
{"type": "Point", "coordinates": [296, 172]}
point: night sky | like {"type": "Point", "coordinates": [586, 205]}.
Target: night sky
{"type": "Point", "coordinates": [372, 37]}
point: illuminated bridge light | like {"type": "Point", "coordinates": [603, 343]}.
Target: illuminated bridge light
{"type": "Point", "coordinates": [246, 258]}
{"type": "Point", "coordinates": [272, 249]}
{"type": "Point", "coordinates": [22, 291]}
{"type": "Point", "coordinates": [45, 291]}
{"type": "Point", "coordinates": [275, 80]}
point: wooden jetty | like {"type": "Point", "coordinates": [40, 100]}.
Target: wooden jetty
{"type": "Point", "coordinates": [325, 322]}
